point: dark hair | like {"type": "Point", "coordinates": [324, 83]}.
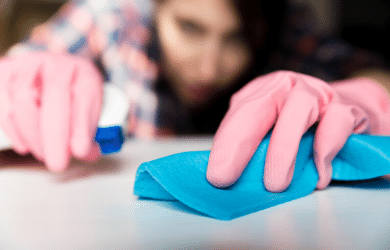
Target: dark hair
{"type": "Point", "coordinates": [262, 21]}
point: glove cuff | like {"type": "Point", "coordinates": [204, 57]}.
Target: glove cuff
{"type": "Point", "coordinates": [371, 97]}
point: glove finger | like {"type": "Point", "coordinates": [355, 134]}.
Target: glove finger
{"type": "Point", "coordinates": [86, 108]}
{"type": "Point", "coordinates": [237, 138]}
{"type": "Point", "coordinates": [252, 114]}
{"type": "Point", "coordinates": [25, 89]}
{"type": "Point", "coordinates": [335, 127]}
{"type": "Point", "coordinates": [94, 153]}
{"type": "Point", "coordinates": [274, 85]}
{"type": "Point", "coordinates": [57, 75]}
{"type": "Point", "coordinates": [300, 111]}
{"type": "Point", "coordinates": [8, 67]}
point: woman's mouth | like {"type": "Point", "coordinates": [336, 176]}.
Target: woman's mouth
{"type": "Point", "coordinates": [198, 93]}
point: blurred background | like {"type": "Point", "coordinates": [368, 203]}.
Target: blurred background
{"type": "Point", "coordinates": [17, 17]}
{"type": "Point", "coordinates": [363, 23]}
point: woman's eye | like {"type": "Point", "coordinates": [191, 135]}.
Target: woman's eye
{"type": "Point", "coordinates": [191, 28]}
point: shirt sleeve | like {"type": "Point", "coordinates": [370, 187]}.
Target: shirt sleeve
{"type": "Point", "coordinates": [114, 34]}
{"type": "Point", "coordinates": [127, 64]}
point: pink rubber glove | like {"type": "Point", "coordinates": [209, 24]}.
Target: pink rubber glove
{"type": "Point", "coordinates": [50, 106]}
{"type": "Point", "coordinates": [293, 102]}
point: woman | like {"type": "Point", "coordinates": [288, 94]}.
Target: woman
{"type": "Point", "coordinates": [178, 61]}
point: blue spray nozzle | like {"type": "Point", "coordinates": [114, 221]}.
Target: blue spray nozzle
{"type": "Point", "coordinates": [110, 139]}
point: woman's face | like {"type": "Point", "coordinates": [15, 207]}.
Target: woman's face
{"type": "Point", "coordinates": [203, 49]}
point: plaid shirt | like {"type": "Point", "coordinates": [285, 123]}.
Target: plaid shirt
{"type": "Point", "coordinates": [115, 34]}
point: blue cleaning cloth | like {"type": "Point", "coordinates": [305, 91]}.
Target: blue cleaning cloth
{"type": "Point", "coordinates": [182, 177]}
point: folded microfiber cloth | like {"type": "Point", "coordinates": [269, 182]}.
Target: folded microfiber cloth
{"type": "Point", "coordinates": [182, 177]}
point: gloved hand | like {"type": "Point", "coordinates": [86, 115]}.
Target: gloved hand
{"type": "Point", "coordinates": [50, 106]}
{"type": "Point", "coordinates": [293, 102]}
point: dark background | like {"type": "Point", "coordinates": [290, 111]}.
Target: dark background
{"type": "Point", "coordinates": [365, 23]}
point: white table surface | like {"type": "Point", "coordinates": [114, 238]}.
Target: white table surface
{"type": "Point", "coordinates": [93, 207]}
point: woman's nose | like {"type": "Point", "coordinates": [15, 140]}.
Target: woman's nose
{"type": "Point", "coordinates": [209, 64]}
